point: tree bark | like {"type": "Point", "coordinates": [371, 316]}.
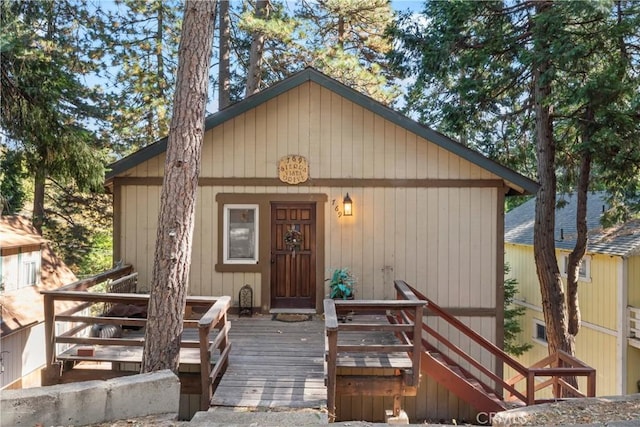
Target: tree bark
{"type": "Point", "coordinates": [177, 203]}
{"type": "Point", "coordinates": [551, 288]}
{"type": "Point", "coordinates": [159, 71]}
{"type": "Point", "coordinates": [254, 72]}
{"type": "Point", "coordinates": [224, 78]}
{"type": "Point", "coordinates": [38, 200]}
{"type": "Point", "coordinates": [580, 248]}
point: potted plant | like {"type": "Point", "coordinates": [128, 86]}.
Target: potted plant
{"type": "Point", "coordinates": [341, 284]}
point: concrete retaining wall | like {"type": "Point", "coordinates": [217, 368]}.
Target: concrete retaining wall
{"type": "Point", "coordinates": [91, 402]}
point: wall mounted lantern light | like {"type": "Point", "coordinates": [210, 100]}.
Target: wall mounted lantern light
{"type": "Point", "coordinates": [347, 205]}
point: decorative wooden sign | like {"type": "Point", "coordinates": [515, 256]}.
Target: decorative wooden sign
{"type": "Point", "coordinates": [293, 169]}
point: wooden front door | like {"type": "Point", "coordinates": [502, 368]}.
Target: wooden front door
{"type": "Point", "coordinates": [293, 267]}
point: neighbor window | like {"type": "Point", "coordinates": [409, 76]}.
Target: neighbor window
{"type": "Point", "coordinates": [240, 241]}
{"type": "Point", "coordinates": [539, 331]}
{"type": "Point", "coordinates": [29, 269]}
{"type": "Point", "coordinates": [584, 274]}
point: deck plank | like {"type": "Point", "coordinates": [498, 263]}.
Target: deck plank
{"type": "Point", "coordinates": [274, 364]}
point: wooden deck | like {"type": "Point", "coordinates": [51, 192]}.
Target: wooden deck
{"type": "Point", "coordinates": [131, 354]}
{"type": "Point", "coordinates": [274, 364]}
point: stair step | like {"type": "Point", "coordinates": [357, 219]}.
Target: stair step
{"type": "Point", "coordinates": [436, 355]}
{"type": "Point", "coordinates": [456, 370]}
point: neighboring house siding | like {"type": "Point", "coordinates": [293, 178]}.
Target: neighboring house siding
{"type": "Point", "coordinates": [598, 301]}
{"type": "Point", "coordinates": [634, 280]}
{"type": "Point", "coordinates": [633, 353]}
{"type": "Point", "coordinates": [24, 358]}
{"type": "Point", "coordinates": [590, 343]}
{"type": "Point", "coordinates": [523, 268]}
{"type": "Point", "coordinates": [599, 297]}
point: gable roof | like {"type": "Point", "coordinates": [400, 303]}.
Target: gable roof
{"type": "Point", "coordinates": [24, 307]}
{"type": "Point", "coordinates": [16, 231]}
{"type": "Point", "coordinates": [518, 183]}
{"type": "Point", "coordinates": [621, 240]}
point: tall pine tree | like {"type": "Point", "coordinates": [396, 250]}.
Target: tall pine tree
{"type": "Point", "coordinates": [548, 87]}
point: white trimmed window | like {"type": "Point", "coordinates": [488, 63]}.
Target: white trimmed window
{"type": "Point", "coordinates": [584, 273]}
{"type": "Point", "coordinates": [29, 275]}
{"type": "Point", "coordinates": [240, 240]}
{"type": "Point", "coordinates": [539, 331]}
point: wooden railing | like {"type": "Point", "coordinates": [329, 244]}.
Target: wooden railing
{"type": "Point", "coordinates": [334, 309]}
{"type": "Point", "coordinates": [557, 366]}
{"type": "Point", "coordinates": [214, 352]}
{"type": "Point", "coordinates": [633, 316]}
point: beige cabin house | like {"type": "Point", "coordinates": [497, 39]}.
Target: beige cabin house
{"type": "Point", "coordinates": [276, 170]}
{"type": "Point", "coordinates": [425, 208]}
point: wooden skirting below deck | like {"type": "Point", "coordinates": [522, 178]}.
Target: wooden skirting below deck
{"type": "Point", "coordinates": [274, 364]}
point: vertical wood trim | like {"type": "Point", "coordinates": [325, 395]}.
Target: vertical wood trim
{"type": "Point", "coordinates": [117, 222]}
{"type": "Point", "coordinates": [621, 336]}
{"type": "Point", "coordinates": [498, 369]}
{"type": "Point", "coordinates": [320, 252]}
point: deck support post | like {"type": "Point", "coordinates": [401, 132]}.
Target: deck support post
{"type": "Point", "coordinates": [331, 355]}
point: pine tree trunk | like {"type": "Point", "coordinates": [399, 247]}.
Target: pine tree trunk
{"type": "Point", "coordinates": [38, 200]}
{"type": "Point", "coordinates": [254, 71]}
{"type": "Point", "coordinates": [162, 131]}
{"type": "Point", "coordinates": [224, 78]}
{"type": "Point", "coordinates": [580, 248]}
{"type": "Point", "coordinates": [553, 298]}
{"type": "Point", "coordinates": [554, 306]}
{"type": "Point", "coordinates": [177, 204]}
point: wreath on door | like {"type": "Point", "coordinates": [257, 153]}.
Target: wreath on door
{"type": "Point", "coordinates": [293, 240]}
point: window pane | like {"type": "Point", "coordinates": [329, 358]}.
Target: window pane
{"type": "Point", "coordinates": [29, 273]}
{"type": "Point", "coordinates": [241, 238]}
{"type": "Point", "coordinates": [541, 332]}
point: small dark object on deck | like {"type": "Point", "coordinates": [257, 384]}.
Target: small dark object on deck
{"type": "Point", "coordinates": [106, 331]}
{"type": "Point", "coordinates": [342, 318]}
{"type": "Point", "coordinates": [85, 351]}
{"type": "Point", "coordinates": [128, 310]}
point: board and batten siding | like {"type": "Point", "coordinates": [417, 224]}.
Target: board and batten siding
{"type": "Point", "coordinates": [341, 140]}
{"type": "Point", "coordinates": [407, 224]}
{"type": "Point", "coordinates": [422, 245]}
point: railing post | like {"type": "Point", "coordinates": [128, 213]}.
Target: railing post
{"type": "Point", "coordinates": [49, 329]}
{"type": "Point", "coordinates": [205, 368]}
{"type": "Point", "coordinates": [591, 384]}
{"type": "Point", "coordinates": [531, 388]}
{"type": "Point", "coordinates": [332, 353]}
{"type": "Point", "coordinates": [417, 346]}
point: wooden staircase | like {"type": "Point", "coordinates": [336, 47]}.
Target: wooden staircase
{"type": "Point", "coordinates": [426, 351]}
{"type": "Point", "coordinates": [460, 382]}
{"type": "Point", "coordinates": [488, 396]}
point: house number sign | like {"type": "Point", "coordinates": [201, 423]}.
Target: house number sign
{"type": "Point", "coordinates": [293, 169]}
